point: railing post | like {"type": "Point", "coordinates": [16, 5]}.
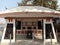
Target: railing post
{"type": "Point", "coordinates": [56, 34]}
{"type": "Point", "coordinates": [51, 37]}
{"type": "Point", "coordinates": [33, 36]}
{"type": "Point", "coordinates": [10, 39]}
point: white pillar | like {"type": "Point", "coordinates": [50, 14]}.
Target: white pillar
{"type": "Point", "coordinates": [54, 34]}
{"type": "Point", "coordinates": [8, 40]}
{"type": "Point", "coordinates": [44, 30]}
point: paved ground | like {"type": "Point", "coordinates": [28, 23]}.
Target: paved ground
{"type": "Point", "coordinates": [28, 42]}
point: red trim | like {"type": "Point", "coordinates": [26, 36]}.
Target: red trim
{"type": "Point", "coordinates": [24, 32]}
{"type": "Point", "coordinates": [45, 13]}
{"type": "Point", "coordinates": [9, 20]}
{"type": "Point", "coordinates": [26, 4]}
{"type": "Point", "coordinates": [28, 18]}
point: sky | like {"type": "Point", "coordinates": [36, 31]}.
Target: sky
{"type": "Point", "coordinates": [8, 4]}
{"type": "Point", "coordinates": [11, 4]}
{"type": "Point", "coordinates": [59, 3]}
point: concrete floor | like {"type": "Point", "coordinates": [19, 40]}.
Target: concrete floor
{"type": "Point", "coordinates": [29, 42]}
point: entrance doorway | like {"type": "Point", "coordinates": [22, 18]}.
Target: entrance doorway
{"type": "Point", "coordinates": [29, 33]}
{"type": "Point", "coordinates": [27, 27]}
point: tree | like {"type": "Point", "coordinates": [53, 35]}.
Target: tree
{"type": "Point", "coordinates": [54, 5]}
{"type": "Point", "coordinates": [25, 1]}
{"type": "Point", "coordinates": [37, 2]}
{"type": "Point", "coordinates": [46, 3]}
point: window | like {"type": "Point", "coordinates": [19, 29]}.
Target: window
{"type": "Point", "coordinates": [18, 25]}
{"type": "Point", "coordinates": [29, 27]}
{"type": "Point", "coordinates": [39, 24]}
{"type": "Point", "coordinates": [34, 27]}
{"type": "Point", "coordinates": [24, 28]}
{"type": "Point", "coordinates": [9, 30]}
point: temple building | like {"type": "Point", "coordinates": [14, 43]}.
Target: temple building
{"type": "Point", "coordinates": [28, 21]}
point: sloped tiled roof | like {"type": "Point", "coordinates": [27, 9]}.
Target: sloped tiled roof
{"type": "Point", "coordinates": [21, 10]}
